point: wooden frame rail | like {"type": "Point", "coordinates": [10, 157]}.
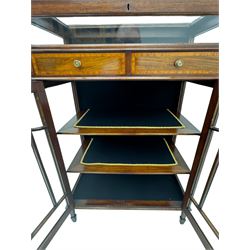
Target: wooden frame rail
{"type": "Point", "coordinates": [124, 7]}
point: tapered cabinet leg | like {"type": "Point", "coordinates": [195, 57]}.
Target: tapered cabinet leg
{"type": "Point", "coordinates": [46, 117]}
{"type": "Point", "coordinates": [201, 148]}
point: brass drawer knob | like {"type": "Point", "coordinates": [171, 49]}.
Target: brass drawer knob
{"type": "Point", "coordinates": [178, 63]}
{"type": "Point", "coordinates": [77, 63]}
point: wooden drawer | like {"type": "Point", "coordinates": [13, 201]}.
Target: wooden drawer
{"type": "Point", "coordinates": [166, 63]}
{"type": "Point", "coordinates": [78, 64]}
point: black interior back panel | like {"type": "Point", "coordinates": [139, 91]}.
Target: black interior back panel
{"type": "Point", "coordinates": [128, 95]}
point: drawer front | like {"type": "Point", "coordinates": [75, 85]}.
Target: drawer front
{"type": "Point", "coordinates": [175, 63]}
{"type": "Point", "coordinates": [78, 64]}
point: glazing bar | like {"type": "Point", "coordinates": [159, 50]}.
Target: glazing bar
{"type": "Point", "coordinates": [209, 180]}
{"type": "Point", "coordinates": [38, 128]}
{"type": "Point", "coordinates": [210, 224]}
{"type": "Point", "coordinates": [198, 230]}
{"type": "Point", "coordinates": [45, 219]}
{"type": "Point", "coordinates": [54, 230]}
{"type": "Point", "coordinates": [42, 169]}
{"type": "Point", "coordinates": [205, 151]}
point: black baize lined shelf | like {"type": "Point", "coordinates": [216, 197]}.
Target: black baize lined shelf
{"type": "Point", "coordinates": [150, 118]}
{"type": "Point", "coordinates": [128, 158]}
{"type": "Point", "coordinates": [131, 151]}
{"type": "Point", "coordinates": [128, 191]}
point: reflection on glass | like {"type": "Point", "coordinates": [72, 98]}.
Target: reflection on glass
{"type": "Point", "coordinates": [128, 30]}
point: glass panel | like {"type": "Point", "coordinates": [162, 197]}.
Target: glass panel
{"type": "Point", "coordinates": [126, 20]}
{"type": "Point", "coordinates": [211, 36]}
{"type": "Point", "coordinates": [120, 30]}
{"type": "Point", "coordinates": [107, 30]}
{"type": "Point", "coordinates": [39, 36]}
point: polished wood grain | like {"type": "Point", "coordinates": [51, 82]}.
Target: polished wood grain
{"type": "Point", "coordinates": [128, 204]}
{"type": "Point", "coordinates": [69, 128]}
{"type": "Point", "coordinates": [204, 47]}
{"type": "Point", "coordinates": [163, 63]}
{"type": "Point", "coordinates": [125, 62]}
{"type": "Point", "coordinates": [127, 78]}
{"type": "Point", "coordinates": [123, 7]}
{"type": "Point", "coordinates": [61, 64]}
{"type": "Point", "coordinates": [77, 167]}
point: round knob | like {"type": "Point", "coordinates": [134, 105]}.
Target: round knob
{"type": "Point", "coordinates": [77, 63]}
{"type": "Point", "coordinates": [178, 63]}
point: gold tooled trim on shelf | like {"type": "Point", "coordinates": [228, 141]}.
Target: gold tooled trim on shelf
{"type": "Point", "coordinates": [132, 127]}
{"type": "Point", "coordinates": [127, 164]}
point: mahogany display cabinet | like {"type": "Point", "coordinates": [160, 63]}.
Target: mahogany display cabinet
{"type": "Point", "coordinates": [128, 83]}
